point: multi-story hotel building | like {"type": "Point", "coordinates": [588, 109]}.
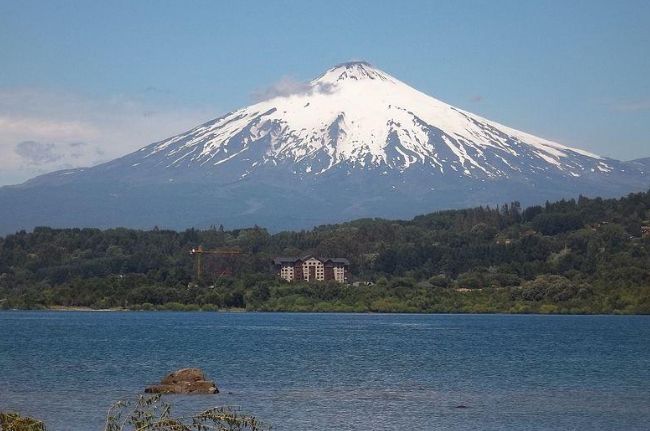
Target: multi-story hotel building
{"type": "Point", "coordinates": [310, 268]}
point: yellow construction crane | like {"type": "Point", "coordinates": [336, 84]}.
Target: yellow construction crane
{"type": "Point", "coordinates": [223, 251]}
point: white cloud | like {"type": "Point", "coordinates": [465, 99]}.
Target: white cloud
{"type": "Point", "coordinates": [288, 86]}
{"type": "Point", "coordinates": [43, 128]}
{"type": "Point", "coordinates": [61, 155]}
{"type": "Point", "coordinates": [42, 131]}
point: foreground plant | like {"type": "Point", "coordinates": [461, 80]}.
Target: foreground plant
{"type": "Point", "coordinates": [15, 422]}
{"type": "Point", "coordinates": [152, 413]}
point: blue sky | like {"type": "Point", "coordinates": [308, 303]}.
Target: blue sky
{"type": "Point", "coordinates": [82, 82]}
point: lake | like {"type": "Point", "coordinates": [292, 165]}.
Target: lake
{"type": "Point", "coordinates": [337, 371]}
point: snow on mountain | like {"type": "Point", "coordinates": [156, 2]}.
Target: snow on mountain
{"type": "Point", "coordinates": [358, 115]}
{"type": "Point", "coordinates": [354, 142]}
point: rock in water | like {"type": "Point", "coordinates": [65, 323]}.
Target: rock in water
{"type": "Point", "coordinates": [184, 375]}
{"type": "Point", "coordinates": [184, 381]}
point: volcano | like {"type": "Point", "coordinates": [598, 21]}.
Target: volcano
{"type": "Point", "coordinates": [354, 142]}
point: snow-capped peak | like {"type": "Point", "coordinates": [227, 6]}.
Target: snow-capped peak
{"type": "Point", "coordinates": [357, 116]}
{"type": "Point", "coordinates": [353, 70]}
{"type": "Point", "coordinates": [354, 142]}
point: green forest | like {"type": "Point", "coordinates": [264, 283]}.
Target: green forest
{"type": "Point", "coordinates": [588, 255]}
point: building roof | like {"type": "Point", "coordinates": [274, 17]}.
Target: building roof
{"type": "Point", "coordinates": [280, 260]}
{"type": "Point", "coordinates": [284, 260]}
{"type": "Point", "coordinates": [342, 260]}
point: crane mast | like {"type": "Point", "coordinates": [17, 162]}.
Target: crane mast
{"type": "Point", "coordinates": [199, 251]}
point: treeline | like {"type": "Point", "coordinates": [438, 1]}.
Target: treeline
{"type": "Point", "coordinates": [572, 256]}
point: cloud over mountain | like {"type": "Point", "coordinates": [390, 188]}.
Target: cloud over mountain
{"type": "Point", "coordinates": [42, 131]}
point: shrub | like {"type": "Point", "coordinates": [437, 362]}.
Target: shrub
{"type": "Point", "coordinates": [151, 413]}
{"type": "Point", "coordinates": [15, 422]}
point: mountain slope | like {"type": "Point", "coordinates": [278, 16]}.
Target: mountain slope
{"type": "Point", "coordinates": [354, 142]}
{"type": "Point", "coordinates": [641, 164]}
{"type": "Point", "coordinates": [357, 115]}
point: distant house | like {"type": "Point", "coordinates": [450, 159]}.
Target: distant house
{"type": "Point", "coordinates": [311, 268]}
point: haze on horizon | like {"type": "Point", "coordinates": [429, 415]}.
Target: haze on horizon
{"type": "Point", "coordinates": [83, 83]}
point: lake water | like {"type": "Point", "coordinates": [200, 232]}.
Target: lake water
{"type": "Point", "coordinates": [338, 371]}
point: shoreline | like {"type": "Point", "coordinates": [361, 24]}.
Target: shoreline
{"type": "Point", "coordinates": [77, 309]}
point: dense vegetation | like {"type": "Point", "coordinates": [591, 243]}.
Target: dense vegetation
{"type": "Point", "coordinates": [575, 256]}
